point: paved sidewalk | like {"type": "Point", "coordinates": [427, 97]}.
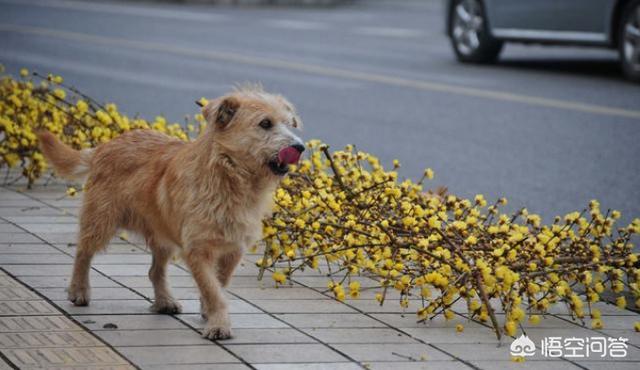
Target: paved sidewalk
{"type": "Point", "coordinates": [297, 327]}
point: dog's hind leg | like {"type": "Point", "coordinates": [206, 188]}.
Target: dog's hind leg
{"type": "Point", "coordinates": [96, 229]}
{"type": "Point", "coordinates": [164, 301]}
{"type": "Point", "coordinates": [227, 264]}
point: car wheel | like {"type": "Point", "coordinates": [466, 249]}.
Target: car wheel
{"type": "Point", "coordinates": [470, 37]}
{"type": "Point", "coordinates": [629, 44]}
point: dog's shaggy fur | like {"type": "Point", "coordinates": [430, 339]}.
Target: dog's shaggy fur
{"type": "Point", "coordinates": [204, 199]}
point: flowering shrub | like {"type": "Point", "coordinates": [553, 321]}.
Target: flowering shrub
{"type": "Point", "coordinates": [344, 210]}
{"type": "Point", "coordinates": [46, 102]}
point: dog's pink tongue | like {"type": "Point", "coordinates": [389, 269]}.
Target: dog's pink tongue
{"type": "Point", "coordinates": [289, 155]}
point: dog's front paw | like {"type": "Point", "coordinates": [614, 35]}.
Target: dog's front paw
{"type": "Point", "coordinates": [218, 327]}
{"type": "Point", "coordinates": [167, 306]}
{"type": "Point", "coordinates": [78, 295]}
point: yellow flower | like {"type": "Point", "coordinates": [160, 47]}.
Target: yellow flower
{"type": "Point", "coordinates": [534, 319]}
{"type": "Point", "coordinates": [510, 327]}
{"type": "Point", "coordinates": [24, 72]}
{"type": "Point", "coordinates": [279, 277]}
{"type": "Point", "coordinates": [597, 324]}
{"type": "Point", "coordinates": [354, 289]}
{"type": "Point", "coordinates": [459, 328]}
{"type": "Point", "coordinates": [428, 173]}
{"type": "Point", "coordinates": [71, 191]}
{"type": "Point", "coordinates": [621, 302]}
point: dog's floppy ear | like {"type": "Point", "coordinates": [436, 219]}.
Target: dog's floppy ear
{"type": "Point", "coordinates": [221, 112]}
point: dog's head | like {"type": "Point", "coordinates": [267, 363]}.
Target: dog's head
{"type": "Point", "coordinates": [255, 130]}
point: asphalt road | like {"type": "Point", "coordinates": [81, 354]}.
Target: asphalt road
{"type": "Point", "coordinates": [549, 128]}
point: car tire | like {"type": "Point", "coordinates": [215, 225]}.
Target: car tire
{"type": "Point", "coordinates": [470, 35]}
{"type": "Point", "coordinates": [629, 40]}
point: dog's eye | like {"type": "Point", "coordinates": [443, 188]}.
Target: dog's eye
{"type": "Point", "coordinates": [266, 124]}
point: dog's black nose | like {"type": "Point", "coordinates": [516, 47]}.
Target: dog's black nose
{"type": "Point", "coordinates": [298, 147]}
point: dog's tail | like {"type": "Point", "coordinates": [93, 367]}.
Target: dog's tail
{"type": "Point", "coordinates": [66, 162]}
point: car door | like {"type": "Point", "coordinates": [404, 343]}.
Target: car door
{"type": "Point", "coordinates": [553, 19]}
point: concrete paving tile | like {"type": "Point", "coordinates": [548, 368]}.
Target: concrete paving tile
{"type": "Point", "coordinates": [136, 270]}
{"type": "Point", "coordinates": [239, 320]}
{"type": "Point", "coordinates": [69, 205]}
{"type": "Point", "coordinates": [24, 324]}
{"type": "Point", "coordinates": [29, 211]}
{"type": "Point", "coordinates": [410, 320]}
{"type": "Point", "coordinates": [26, 308]}
{"type": "Point", "coordinates": [267, 336]}
{"type": "Point", "coordinates": [249, 282]}
{"type": "Point", "coordinates": [57, 219]}
{"type": "Point", "coordinates": [128, 258]}
{"type": "Point", "coordinates": [39, 270]}
{"type": "Point", "coordinates": [612, 322]}
{"type": "Point", "coordinates": [337, 320]}
{"type": "Point", "coordinates": [425, 365]}
{"type": "Point", "coordinates": [18, 237]}
{"type": "Point", "coordinates": [157, 337]}
{"type": "Point", "coordinates": [372, 306]}
{"type": "Point", "coordinates": [392, 352]}
{"type": "Point", "coordinates": [18, 202]}
{"type": "Point", "coordinates": [38, 228]}
{"type": "Point", "coordinates": [362, 335]}
{"type": "Point", "coordinates": [449, 335]}
{"type": "Point", "coordinates": [36, 259]}
{"type": "Point", "coordinates": [7, 281]}
{"type": "Point", "coordinates": [310, 281]}
{"type": "Point", "coordinates": [17, 293]}
{"type": "Point", "coordinates": [197, 367]}
{"type": "Point", "coordinates": [528, 365]}
{"type": "Point", "coordinates": [49, 358]}
{"type": "Point", "coordinates": [9, 228]}
{"type": "Point", "coordinates": [144, 282]}
{"type": "Point", "coordinates": [604, 307]}
{"type": "Point", "coordinates": [299, 366]}
{"type": "Point", "coordinates": [62, 281]}
{"type": "Point", "coordinates": [282, 353]}
{"type": "Point", "coordinates": [21, 248]}
{"type": "Point", "coordinates": [177, 355]}
{"type": "Point", "coordinates": [287, 293]}
{"type": "Point", "coordinates": [72, 339]}
{"type": "Point", "coordinates": [69, 238]}
{"type": "Point", "coordinates": [548, 321]}
{"type": "Point", "coordinates": [178, 293]}
{"type": "Point", "coordinates": [627, 365]}
{"type": "Point", "coordinates": [303, 306]}
{"type": "Point", "coordinates": [192, 306]}
{"type": "Point", "coordinates": [129, 322]}
{"type": "Point", "coordinates": [246, 269]}
{"type": "Point", "coordinates": [110, 249]}
{"type": "Point", "coordinates": [97, 294]}
{"type": "Point", "coordinates": [107, 307]}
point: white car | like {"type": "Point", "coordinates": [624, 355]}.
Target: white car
{"type": "Point", "coordinates": [479, 28]}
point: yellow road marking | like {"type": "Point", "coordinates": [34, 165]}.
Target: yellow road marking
{"type": "Point", "coordinates": [326, 71]}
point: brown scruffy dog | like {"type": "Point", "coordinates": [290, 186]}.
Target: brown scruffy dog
{"type": "Point", "coordinates": [204, 199]}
